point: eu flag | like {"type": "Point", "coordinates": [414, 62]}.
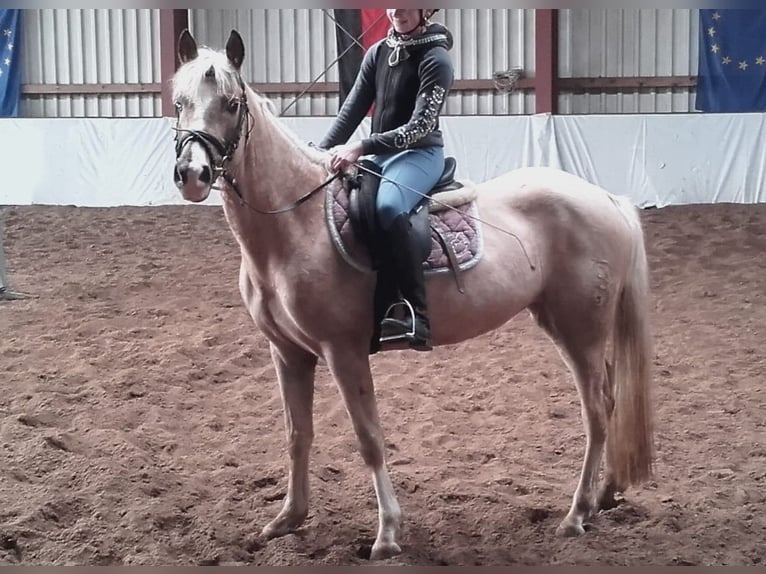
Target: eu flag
{"type": "Point", "coordinates": [10, 68]}
{"type": "Point", "coordinates": [732, 61]}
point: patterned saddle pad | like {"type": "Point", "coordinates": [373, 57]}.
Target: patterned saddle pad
{"type": "Point", "coordinates": [456, 225]}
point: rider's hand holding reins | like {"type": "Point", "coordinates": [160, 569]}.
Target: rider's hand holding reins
{"type": "Point", "coordinates": [345, 155]}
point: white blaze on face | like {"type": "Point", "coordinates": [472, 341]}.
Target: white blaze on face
{"type": "Point", "coordinates": [195, 178]}
{"type": "Point", "coordinates": [199, 165]}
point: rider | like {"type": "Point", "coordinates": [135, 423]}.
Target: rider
{"type": "Point", "coordinates": [406, 76]}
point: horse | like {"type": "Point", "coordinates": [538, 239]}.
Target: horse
{"type": "Point", "coordinates": [576, 262]}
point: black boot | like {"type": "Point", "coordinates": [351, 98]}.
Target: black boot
{"type": "Point", "coordinates": [408, 268]}
{"type": "Point", "coordinates": [362, 209]}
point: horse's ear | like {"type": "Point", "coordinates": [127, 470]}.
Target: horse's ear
{"type": "Point", "coordinates": [235, 49]}
{"type": "Point", "coordinates": [187, 47]}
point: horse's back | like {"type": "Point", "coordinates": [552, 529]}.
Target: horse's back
{"type": "Point", "coordinates": [572, 225]}
{"type": "Point", "coordinates": [553, 193]}
{"type": "Point", "coordinates": [524, 181]}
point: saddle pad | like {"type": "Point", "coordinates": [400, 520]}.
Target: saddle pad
{"type": "Point", "coordinates": [457, 226]}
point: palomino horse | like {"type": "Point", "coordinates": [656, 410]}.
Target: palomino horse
{"type": "Point", "coordinates": [582, 274]}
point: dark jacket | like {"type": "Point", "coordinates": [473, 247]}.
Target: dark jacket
{"type": "Point", "coordinates": [408, 95]}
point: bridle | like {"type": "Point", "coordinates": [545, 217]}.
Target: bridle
{"type": "Point", "coordinates": [220, 153]}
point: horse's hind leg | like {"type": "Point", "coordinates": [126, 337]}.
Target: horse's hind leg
{"type": "Point", "coordinates": [609, 486]}
{"type": "Point", "coordinates": [352, 373]}
{"type": "Point", "coordinates": [581, 339]}
{"type": "Point", "coordinates": [589, 374]}
{"type": "Point", "coordinates": [295, 372]}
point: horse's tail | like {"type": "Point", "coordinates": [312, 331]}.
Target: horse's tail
{"type": "Point", "coordinates": [630, 445]}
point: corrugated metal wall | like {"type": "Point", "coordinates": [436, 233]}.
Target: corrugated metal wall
{"type": "Point", "coordinates": [489, 41]}
{"type": "Point", "coordinates": [76, 46]}
{"type": "Point", "coordinates": [300, 45]}
{"type": "Point", "coordinates": [647, 42]}
{"type": "Point", "coordinates": [289, 45]}
{"type": "Point", "coordinates": [108, 46]}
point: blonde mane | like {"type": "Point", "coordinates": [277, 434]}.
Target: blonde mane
{"type": "Point", "coordinates": [268, 109]}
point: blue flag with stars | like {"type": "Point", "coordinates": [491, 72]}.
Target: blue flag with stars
{"type": "Point", "coordinates": [10, 68]}
{"type": "Point", "coordinates": [732, 61]}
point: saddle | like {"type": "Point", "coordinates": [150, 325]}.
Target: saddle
{"type": "Point", "coordinates": [363, 220]}
{"type": "Point", "coordinates": [444, 222]}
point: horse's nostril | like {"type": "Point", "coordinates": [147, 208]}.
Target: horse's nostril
{"type": "Point", "coordinates": [179, 175]}
{"type": "Point", "coordinates": [205, 175]}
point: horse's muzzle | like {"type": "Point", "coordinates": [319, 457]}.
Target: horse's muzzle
{"type": "Point", "coordinates": [193, 180]}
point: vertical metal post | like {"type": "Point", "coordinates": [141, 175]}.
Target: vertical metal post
{"type": "Point", "coordinates": [3, 276]}
{"type": "Point", "coordinates": [6, 294]}
{"type": "Point", "coordinates": [172, 23]}
{"type": "Point", "coordinates": [546, 61]}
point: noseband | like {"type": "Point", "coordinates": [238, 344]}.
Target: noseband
{"type": "Point", "coordinates": [215, 148]}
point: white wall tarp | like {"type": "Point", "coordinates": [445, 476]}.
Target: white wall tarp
{"type": "Point", "coordinates": [656, 160]}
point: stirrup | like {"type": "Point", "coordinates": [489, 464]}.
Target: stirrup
{"type": "Point", "coordinates": [408, 339]}
{"type": "Point", "coordinates": [404, 337]}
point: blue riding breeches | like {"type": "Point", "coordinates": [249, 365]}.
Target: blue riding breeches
{"type": "Point", "coordinates": [419, 169]}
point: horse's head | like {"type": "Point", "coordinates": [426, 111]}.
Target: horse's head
{"type": "Point", "coordinates": [211, 106]}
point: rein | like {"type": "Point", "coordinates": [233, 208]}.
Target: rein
{"type": "Point", "coordinates": [303, 199]}
{"type": "Point", "coordinates": [214, 147]}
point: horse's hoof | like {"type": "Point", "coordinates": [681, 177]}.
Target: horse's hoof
{"type": "Point", "coordinates": [281, 526]}
{"type": "Point", "coordinates": [272, 530]}
{"type": "Point", "coordinates": [384, 550]}
{"type": "Point", "coordinates": [609, 502]}
{"type": "Point", "coordinates": [607, 499]}
{"type": "Point", "coordinates": [569, 530]}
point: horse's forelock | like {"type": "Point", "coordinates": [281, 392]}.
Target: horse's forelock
{"type": "Point", "coordinates": [189, 77]}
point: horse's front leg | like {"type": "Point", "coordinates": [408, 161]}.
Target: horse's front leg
{"type": "Point", "coordinates": [351, 371]}
{"type": "Point", "coordinates": [295, 372]}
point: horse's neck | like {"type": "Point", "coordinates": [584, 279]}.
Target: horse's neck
{"type": "Point", "coordinates": [273, 173]}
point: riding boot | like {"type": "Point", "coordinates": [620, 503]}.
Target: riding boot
{"type": "Point", "coordinates": [362, 209]}
{"type": "Point", "coordinates": [408, 268]}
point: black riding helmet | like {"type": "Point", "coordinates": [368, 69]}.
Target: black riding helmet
{"type": "Point", "coordinates": [423, 18]}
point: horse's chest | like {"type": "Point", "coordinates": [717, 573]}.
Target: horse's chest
{"type": "Point", "coordinates": [270, 312]}
{"type": "Point", "coordinates": [264, 306]}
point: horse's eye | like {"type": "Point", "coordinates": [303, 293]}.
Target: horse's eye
{"type": "Point", "coordinates": [233, 105]}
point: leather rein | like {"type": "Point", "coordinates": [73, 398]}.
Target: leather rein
{"type": "Point", "coordinates": [220, 153]}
